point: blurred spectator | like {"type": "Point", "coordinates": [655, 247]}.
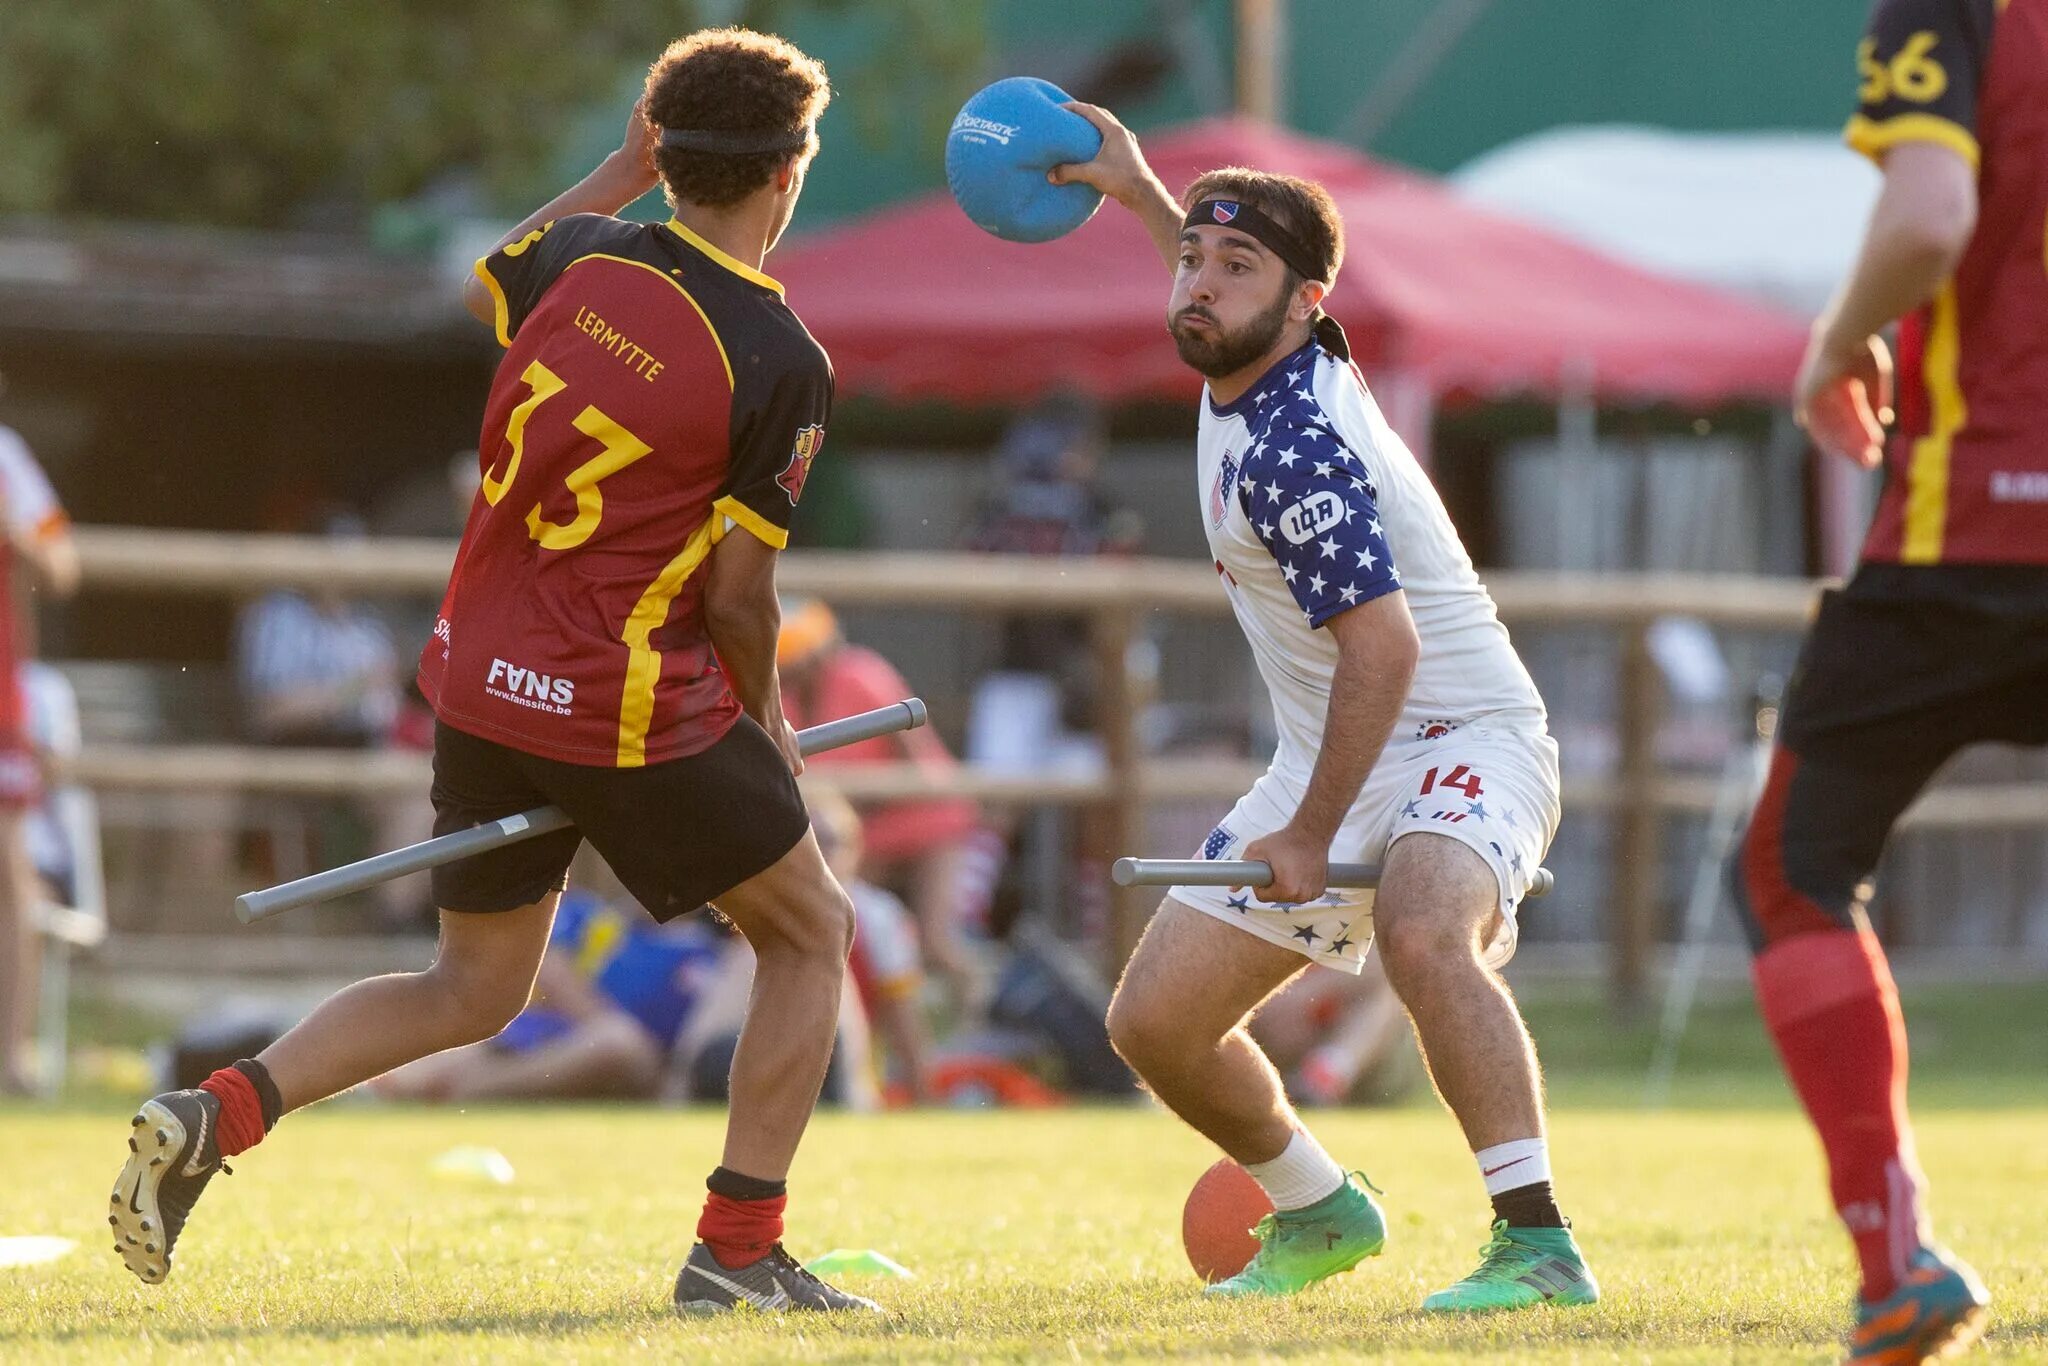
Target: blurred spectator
{"type": "Point", "coordinates": [612, 997]}
{"type": "Point", "coordinates": [1339, 1038]}
{"type": "Point", "coordinates": [624, 1007]}
{"type": "Point", "coordinates": [318, 671]}
{"type": "Point", "coordinates": [51, 724]}
{"type": "Point", "coordinates": [934, 851]}
{"type": "Point", "coordinates": [1044, 502]}
{"type": "Point", "coordinates": [39, 535]}
{"type": "Point", "coordinates": [887, 966]}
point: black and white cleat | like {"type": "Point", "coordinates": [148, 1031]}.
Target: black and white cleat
{"type": "Point", "coordinates": [775, 1283]}
{"type": "Point", "coordinates": [173, 1151]}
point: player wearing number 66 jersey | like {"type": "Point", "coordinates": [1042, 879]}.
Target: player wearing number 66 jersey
{"type": "Point", "coordinates": [1940, 638]}
{"type": "Point", "coordinates": [607, 646]}
{"type": "Point", "coordinates": [1410, 735]}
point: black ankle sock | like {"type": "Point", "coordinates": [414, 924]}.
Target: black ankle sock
{"type": "Point", "coordinates": [266, 1091]}
{"type": "Point", "coordinates": [737, 1186]}
{"type": "Point", "coordinates": [1530, 1206]}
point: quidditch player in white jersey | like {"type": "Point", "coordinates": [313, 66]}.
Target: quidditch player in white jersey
{"type": "Point", "coordinates": [1410, 736]}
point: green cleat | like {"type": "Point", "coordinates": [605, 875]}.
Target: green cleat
{"type": "Point", "coordinates": [1299, 1247]}
{"type": "Point", "coordinates": [1519, 1267]}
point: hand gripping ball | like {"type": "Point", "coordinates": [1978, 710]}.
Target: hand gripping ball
{"type": "Point", "coordinates": [1001, 145]}
{"type": "Point", "coordinates": [1216, 1225]}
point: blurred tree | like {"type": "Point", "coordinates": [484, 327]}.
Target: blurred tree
{"type": "Point", "coordinates": [270, 112]}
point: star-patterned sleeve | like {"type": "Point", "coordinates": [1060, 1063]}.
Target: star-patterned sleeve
{"type": "Point", "coordinates": [1312, 501]}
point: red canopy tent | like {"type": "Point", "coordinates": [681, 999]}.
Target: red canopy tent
{"type": "Point", "coordinates": [915, 302]}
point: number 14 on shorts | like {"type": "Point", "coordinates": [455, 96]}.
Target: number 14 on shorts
{"type": "Point", "coordinates": [1435, 800]}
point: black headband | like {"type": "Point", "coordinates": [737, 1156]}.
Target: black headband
{"type": "Point", "coordinates": [733, 141]}
{"type": "Point", "coordinates": [1231, 213]}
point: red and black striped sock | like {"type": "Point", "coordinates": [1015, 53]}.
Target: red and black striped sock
{"type": "Point", "coordinates": [742, 1219]}
{"type": "Point", "coordinates": [249, 1105]}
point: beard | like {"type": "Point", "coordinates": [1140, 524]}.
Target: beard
{"type": "Point", "coordinates": [1216, 353]}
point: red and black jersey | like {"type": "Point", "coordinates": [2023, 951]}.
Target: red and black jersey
{"type": "Point", "coordinates": [656, 394]}
{"type": "Point", "coordinates": [1966, 477]}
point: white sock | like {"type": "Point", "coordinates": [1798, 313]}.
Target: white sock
{"type": "Point", "coordinates": [1300, 1176]}
{"type": "Point", "coordinates": [1514, 1164]}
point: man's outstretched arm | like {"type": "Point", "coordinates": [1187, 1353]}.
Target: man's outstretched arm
{"type": "Point", "coordinates": [1120, 171]}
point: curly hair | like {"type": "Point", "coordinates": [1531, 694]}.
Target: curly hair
{"type": "Point", "coordinates": [1300, 205]}
{"type": "Point", "coordinates": [730, 79]}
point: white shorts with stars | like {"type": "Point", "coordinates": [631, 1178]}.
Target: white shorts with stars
{"type": "Point", "coordinates": [1490, 787]}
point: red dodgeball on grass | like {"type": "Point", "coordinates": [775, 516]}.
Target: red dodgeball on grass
{"type": "Point", "coordinates": [1216, 1225]}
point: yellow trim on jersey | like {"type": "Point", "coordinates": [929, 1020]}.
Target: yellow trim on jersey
{"type": "Point", "coordinates": [726, 259]}
{"type": "Point", "coordinates": [763, 529]}
{"type": "Point", "coordinates": [1927, 474]}
{"type": "Point", "coordinates": [643, 661]}
{"type": "Point", "coordinates": [1874, 137]}
{"type": "Point", "coordinates": [662, 275]}
{"type": "Point", "coordinates": [503, 311]}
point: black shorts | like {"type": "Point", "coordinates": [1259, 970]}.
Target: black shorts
{"type": "Point", "coordinates": [678, 834]}
{"type": "Point", "coordinates": [1903, 668]}
{"type": "Point", "coordinates": [1912, 664]}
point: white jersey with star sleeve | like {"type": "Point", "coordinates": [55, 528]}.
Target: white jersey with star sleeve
{"type": "Point", "coordinates": [1313, 505]}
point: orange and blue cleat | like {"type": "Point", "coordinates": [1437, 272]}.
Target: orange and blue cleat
{"type": "Point", "coordinates": [1938, 1310]}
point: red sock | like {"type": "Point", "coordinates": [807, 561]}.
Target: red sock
{"type": "Point", "coordinates": [1827, 998]}
{"type": "Point", "coordinates": [741, 1232]}
{"type": "Point", "coordinates": [241, 1111]}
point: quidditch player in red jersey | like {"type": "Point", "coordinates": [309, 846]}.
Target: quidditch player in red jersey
{"type": "Point", "coordinates": [607, 645]}
{"type": "Point", "coordinates": [1941, 637]}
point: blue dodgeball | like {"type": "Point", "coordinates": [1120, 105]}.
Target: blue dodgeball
{"type": "Point", "coordinates": [998, 150]}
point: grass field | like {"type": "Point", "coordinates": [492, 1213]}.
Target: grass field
{"type": "Point", "coordinates": [1033, 1235]}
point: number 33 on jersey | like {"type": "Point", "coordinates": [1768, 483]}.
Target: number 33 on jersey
{"type": "Point", "coordinates": [656, 395]}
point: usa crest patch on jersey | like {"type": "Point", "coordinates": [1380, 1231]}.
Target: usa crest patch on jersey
{"type": "Point", "coordinates": [1219, 493]}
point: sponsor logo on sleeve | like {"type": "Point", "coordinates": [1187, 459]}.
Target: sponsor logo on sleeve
{"type": "Point", "coordinates": [808, 442]}
{"type": "Point", "coordinates": [530, 688]}
{"type": "Point", "coordinates": [1311, 517]}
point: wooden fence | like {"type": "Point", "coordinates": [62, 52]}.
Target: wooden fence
{"type": "Point", "coordinates": [1116, 596]}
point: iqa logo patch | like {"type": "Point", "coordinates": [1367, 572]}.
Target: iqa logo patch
{"type": "Point", "coordinates": [1311, 517]}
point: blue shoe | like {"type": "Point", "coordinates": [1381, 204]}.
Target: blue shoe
{"type": "Point", "coordinates": [1937, 1312]}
